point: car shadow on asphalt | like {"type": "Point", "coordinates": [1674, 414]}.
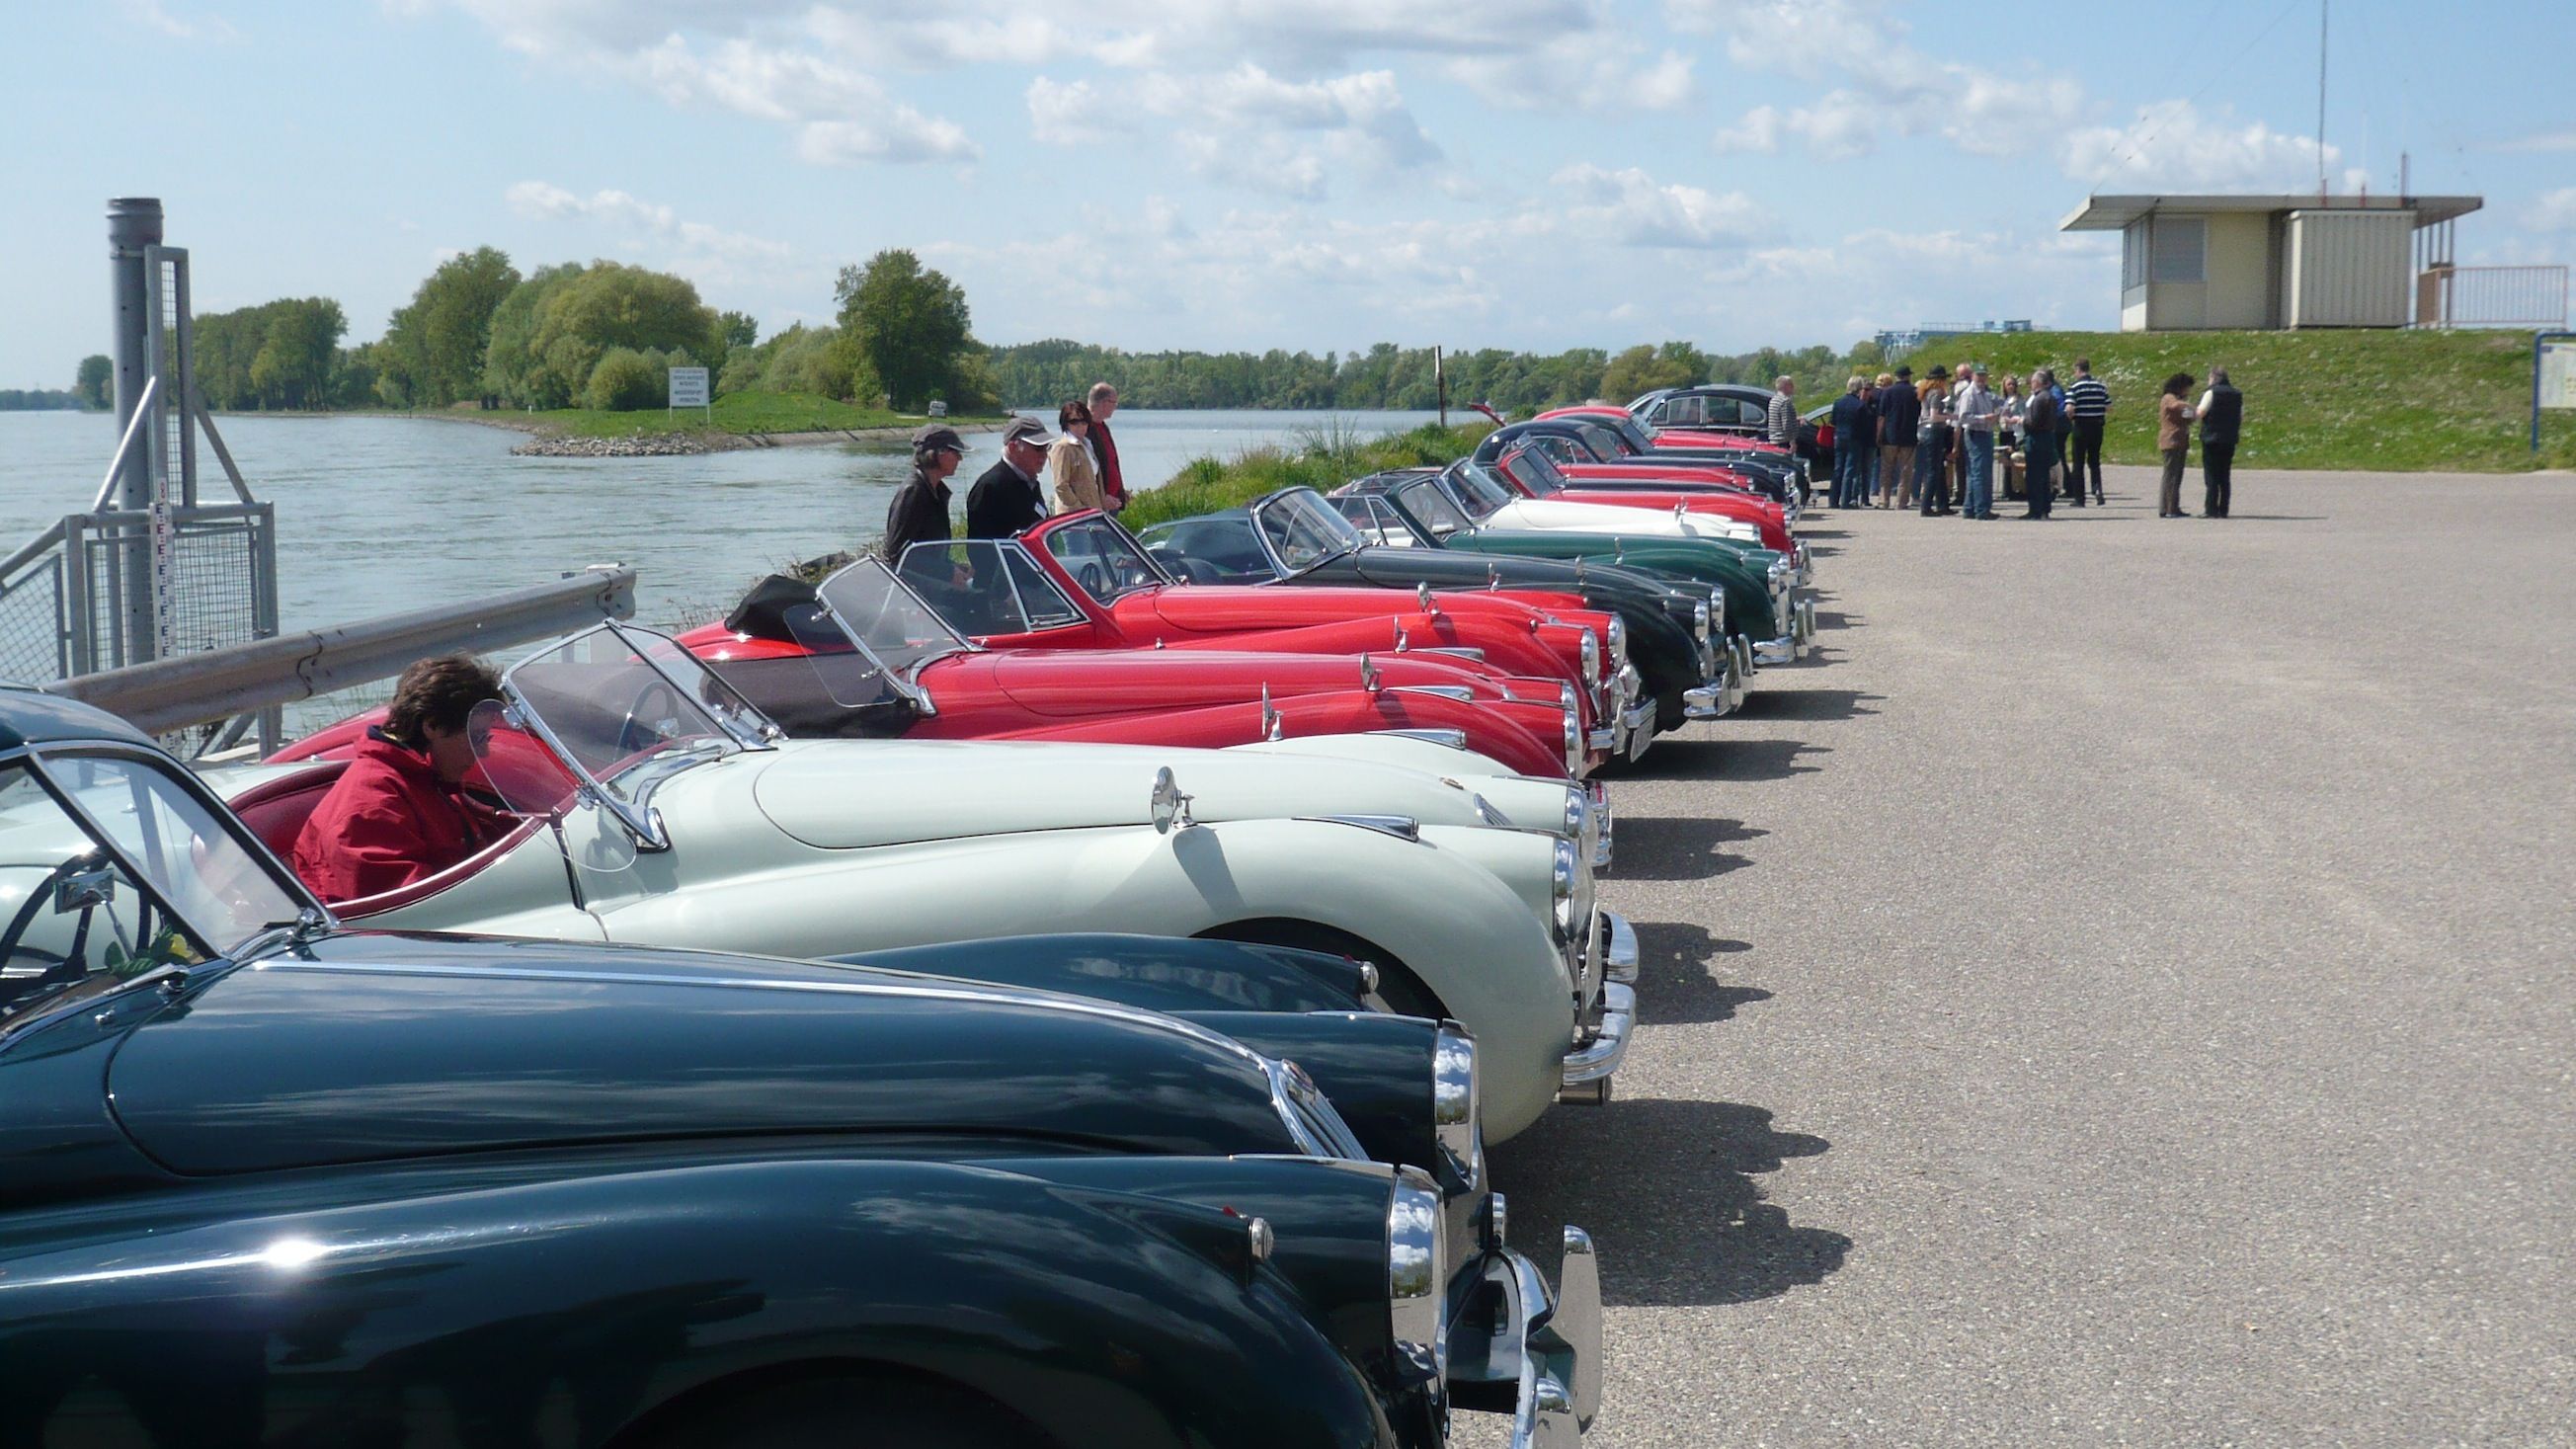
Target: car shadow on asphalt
{"type": "Point", "coordinates": [1667, 1190]}
{"type": "Point", "coordinates": [1723, 758]}
{"type": "Point", "coordinates": [1677, 984]}
{"type": "Point", "coordinates": [1828, 619]}
{"type": "Point", "coordinates": [1657, 847]}
{"type": "Point", "coordinates": [1806, 704]}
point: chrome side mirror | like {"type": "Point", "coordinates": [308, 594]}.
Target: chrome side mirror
{"type": "Point", "coordinates": [85, 889]}
{"type": "Point", "coordinates": [1171, 807]}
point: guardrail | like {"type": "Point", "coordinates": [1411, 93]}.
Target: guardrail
{"type": "Point", "coordinates": [238, 682]}
{"type": "Point", "coordinates": [2447, 296]}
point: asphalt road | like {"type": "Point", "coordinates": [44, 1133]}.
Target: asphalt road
{"type": "Point", "coordinates": [2122, 992]}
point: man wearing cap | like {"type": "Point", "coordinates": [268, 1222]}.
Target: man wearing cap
{"type": "Point", "coordinates": [1009, 498]}
{"type": "Point", "coordinates": [919, 512]}
{"type": "Point", "coordinates": [1979, 413]}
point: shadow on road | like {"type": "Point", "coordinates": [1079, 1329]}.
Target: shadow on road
{"type": "Point", "coordinates": [1806, 704]}
{"type": "Point", "coordinates": [1677, 847]}
{"type": "Point", "coordinates": [1729, 759]}
{"type": "Point", "coordinates": [1830, 619]}
{"type": "Point", "coordinates": [1667, 1190]}
{"type": "Point", "coordinates": [1676, 976]}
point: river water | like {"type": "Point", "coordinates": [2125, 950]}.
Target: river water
{"type": "Point", "coordinates": [379, 515]}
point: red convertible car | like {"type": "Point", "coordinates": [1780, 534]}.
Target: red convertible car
{"type": "Point", "coordinates": [1536, 475]}
{"type": "Point", "coordinates": [1082, 581]}
{"type": "Point", "coordinates": [864, 655]}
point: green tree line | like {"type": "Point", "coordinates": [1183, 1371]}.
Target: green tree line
{"type": "Point", "coordinates": [1040, 374]}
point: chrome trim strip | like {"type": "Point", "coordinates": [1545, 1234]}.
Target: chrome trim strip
{"type": "Point", "coordinates": [1402, 827]}
{"type": "Point", "coordinates": [1454, 739]}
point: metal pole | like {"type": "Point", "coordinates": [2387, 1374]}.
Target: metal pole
{"type": "Point", "coordinates": [2325, 11]}
{"type": "Point", "coordinates": [133, 227]}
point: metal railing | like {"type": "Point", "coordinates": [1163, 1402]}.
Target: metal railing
{"type": "Point", "coordinates": [2447, 296]}
{"type": "Point", "coordinates": [241, 682]}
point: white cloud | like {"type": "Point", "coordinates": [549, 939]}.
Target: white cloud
{"type": "Point", "coordinates": [1635, 210]}
{"type": "Point", "coordinates": [154, 14]}
{"type": "Point", "coordinates": [2171, 146]}
{"type": "Point", "coordinates": [1601, 70]}
{"type": "Point", "coordinates": [1246, 126]}
{"type": "Point", "coordinates": [840, 115]}
{"type": "Point", "coordinates": [2541, 141]}
{"type": "Point", "coordinates": [706, 254]}
{"type": "Point", "coordinates": [2553, 212]}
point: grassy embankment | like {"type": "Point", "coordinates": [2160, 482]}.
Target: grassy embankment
{"type": "Point", "coordinates": [2380, 401]}
{"type": "Point", "coordinates": [1320, 460]}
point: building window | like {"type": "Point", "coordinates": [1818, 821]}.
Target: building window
{"type": "Point", "coordinates": [2181, 249]}
{"type": "Point", "coordinates": [2133, 255]}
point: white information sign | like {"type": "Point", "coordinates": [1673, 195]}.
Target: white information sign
{"type": "Point", "coordinates": [689, 388]}
{"type": "Point", "coordinates": [2558, 374]}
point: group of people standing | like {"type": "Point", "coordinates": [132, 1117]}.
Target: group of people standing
{"type": "Point", "coordinates": [1077, 466]}
{"type": "Point", "coordinates": [1903, 444]}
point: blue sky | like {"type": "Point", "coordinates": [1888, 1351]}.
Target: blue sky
{"type": "Point", "coordinates": [1321, 175]}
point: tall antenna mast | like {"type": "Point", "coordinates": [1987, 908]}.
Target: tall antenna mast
{"type": "Point", "coordinates": [2323, 6]}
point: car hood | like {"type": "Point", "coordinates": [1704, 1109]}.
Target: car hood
{"type": "Point", "coordinates": [373, 1047]}
{"type": "Point", "coordinates": [1607, 518]}
{"type": "Point", "coordinates": [851, 794]}
{"type": "Point", "coordinates": [1071, 683]}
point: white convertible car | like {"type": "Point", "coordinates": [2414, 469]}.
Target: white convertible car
{"type": "Point", "coordinates": [655, 806]}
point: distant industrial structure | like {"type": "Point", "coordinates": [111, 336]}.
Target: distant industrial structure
{"type": "Point", "coordinates": [1897, 344]}
{"type": "Point", "coordinates": [2272, 262]}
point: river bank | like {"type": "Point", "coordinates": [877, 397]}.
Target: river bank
{"type": "Point", "coordinates": [738, 421]}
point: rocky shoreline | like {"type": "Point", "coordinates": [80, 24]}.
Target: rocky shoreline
{"type": "Point", "coordinates": [636, 445]}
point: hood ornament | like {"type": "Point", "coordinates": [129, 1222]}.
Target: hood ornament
{"type": "Point", "coordinates": [1422, 591]}
{"type": "Point", "coordinates": [1493, 574]}
{"type": "Point", "coordinates": [1368, 674]}
{"type": "Point", "coordinates": [1402, 641]}
{"type": "Point", "coordinates": [1171, 808]}
{"type": "Point", "coordinates": [1273, 726]}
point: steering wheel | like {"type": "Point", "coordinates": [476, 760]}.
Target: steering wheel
{"type": "Point", "coordinates": [41, 897]}
{"type": "Point", "coordinates": [1094, 578]}
{"type": "Point", "coordinates": [635, 735]}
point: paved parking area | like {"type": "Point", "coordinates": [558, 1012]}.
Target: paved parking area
{"type": "Point", "coordinates": [2123, 992]}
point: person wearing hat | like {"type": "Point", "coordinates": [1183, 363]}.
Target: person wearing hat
{"type": "Point", "coordinates": [1008, 498]}
{"type": "Point", "coordinates": [1981, 412]}
{"type": "Point", "coordinates": [919, 512]}
{"type": "Point", "coordinates": [1900, 412]}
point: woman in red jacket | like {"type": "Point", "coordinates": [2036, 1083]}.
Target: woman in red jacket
{"type": "Point", "coordinates": [395, 816]}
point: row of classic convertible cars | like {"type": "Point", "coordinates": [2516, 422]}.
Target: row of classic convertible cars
{"type": "Point", "coordinates": [1048, 991]}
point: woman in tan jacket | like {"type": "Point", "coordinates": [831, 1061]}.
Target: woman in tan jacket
{"type": "Point", "coordinates": [1071, 465]}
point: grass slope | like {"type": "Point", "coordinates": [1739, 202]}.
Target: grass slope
{"type": "Point", "coordinates": [735, 412]}
{"type": "Point", "coordinates": [1322, 460]}
{"type": "Point", "coordinates": [2381, 400]}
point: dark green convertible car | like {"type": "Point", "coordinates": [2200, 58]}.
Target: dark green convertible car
{"type": "Point", "coordinates": [266, 1181]}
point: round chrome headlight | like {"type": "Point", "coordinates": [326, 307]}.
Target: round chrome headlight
{"type": "Point", "coordinates": [1591, 659]}
{"type": "Point", "coordinates": [1618, 638]}
{"type": "Point", "coordinates": [1417, 1254]}
{"type": "Point", "coordinates": [1572, 713]}
{"type": "Point", "coordinates": [1578, 809]}
{"type": "Point", "coordinates": [1699, 620]}
{"type": "Point", "coordinates": [1457, 1114]}
{"type": "Point", "coordinates": [1561, 890]}
{"type": "Point", "coordinates": [1717, 610]}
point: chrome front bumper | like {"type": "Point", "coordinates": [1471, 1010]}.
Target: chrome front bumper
{"type": "Point", "coordinates": [1602, 816]}
{"type": "Point", "coordinates": [1709, 701]}
{"type": "Point", "coordinates": [1589, 1067]}
{"type": "Point", "coordinates": [1618, 948]}
{"type": "Point", "coordinates": [1783, 650]}
{"type": "Point", "coordinates": [1530, 1352]}
{"type": "Point", "coordinates": [1805, 564]}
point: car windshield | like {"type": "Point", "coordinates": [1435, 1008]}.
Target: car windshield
{"type": "Point", "coordinates": [1431, 508]}
{"type": "Point", "coordinates": [1104, 559]}
{"type": "Point", "coordinates": [1302, 530]}
{"type": "Point", "coordinates": [1475, 490]}
{"type": "Point", "coordinates": [1637, 439]}
{"type": "Point", "coordinates": [981, 587]}
{"type": "Point", "coordinates": [1537, 472]}
{"type": "Point", "coordinates": [887, 620]}
{"type": "Point", "coordinates": [145, 874]}
{"type": "Point", "coordinates": [1605, 443]}
{"type": "Point", "coordinates": [624, 710]}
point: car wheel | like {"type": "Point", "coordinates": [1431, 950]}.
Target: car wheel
{"type": "Point", "coordinates": [1401, 990]}
{"type": "Point", "coordinates": [846, 1412]}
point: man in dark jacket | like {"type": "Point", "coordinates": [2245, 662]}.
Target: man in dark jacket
{"type": "Point", "coordinates": [1103, 401]}
{"type": "Point", "coordinates": [2222, 417]}
{"type": "Point", "coordinates": [919, 511]}
{"type": "Point", "coordinates": [393, 816]}
{"type": "Point", "coordinates": [1853, 420]}
{"type": "Point", "coordinates": [1008, 498]}
{"type": "Point", "coordinates": [1900, 410]}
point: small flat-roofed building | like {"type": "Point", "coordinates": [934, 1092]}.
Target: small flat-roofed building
{"type": "Point", "coordinates": [2264, 262]}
